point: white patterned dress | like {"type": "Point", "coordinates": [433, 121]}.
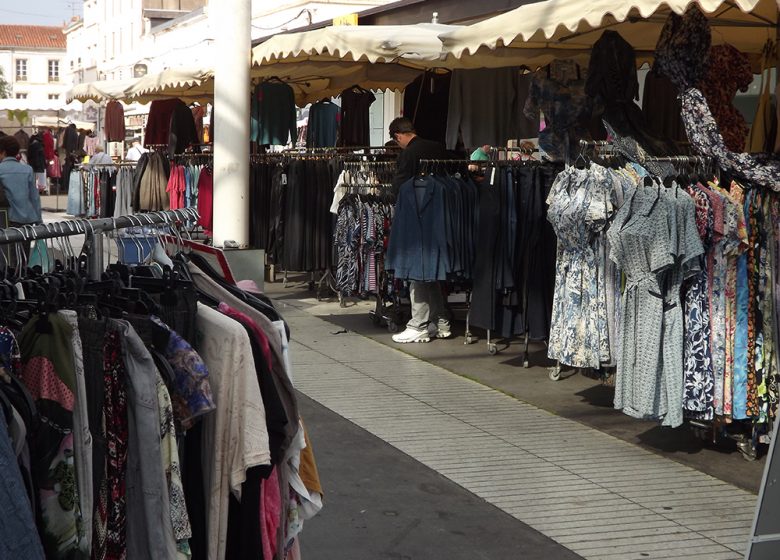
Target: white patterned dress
{"type": "Point", "coordinates": [580, 203]}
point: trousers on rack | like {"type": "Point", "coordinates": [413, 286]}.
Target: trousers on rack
{"type": "Point", "coordinates": [427, 306]}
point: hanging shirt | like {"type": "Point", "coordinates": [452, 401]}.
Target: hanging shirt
{"type": "Point", "coordinates": [426, 103]}
{"type": "Point", "coordinates": [20, 190]}
{"type": "Point", "coordinates": [323, 127]}
{"type": "Point", "coordinates": [558, 92]}
{"type": "Point", "coordinates": [355, 129]}
{"type": "Point", "coordinates": [486, 107]}
{"type": "Point", "coordinates": [273, 114]}
{"type": "Point", "coordinates": [236, 432]}
{"type": "Point", "coordinates": [115, 122]}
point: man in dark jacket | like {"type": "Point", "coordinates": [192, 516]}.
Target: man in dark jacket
{"type": "Point", "coordinates": [413, 150]}
{"type": "Point", "coordinates": [430, 316]}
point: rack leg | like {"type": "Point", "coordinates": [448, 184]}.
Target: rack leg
{"type": "Point", "coordinates": [492, 348]}
{"type": "Point", "coordinates": [469, 339]}
{"type": "Point", "coordinates": [525, 352]}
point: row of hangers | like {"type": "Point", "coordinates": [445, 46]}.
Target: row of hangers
{"type": "Point", "coordinates": [67, 284]}
{"type": "Point", "coordinates": [687, 169]}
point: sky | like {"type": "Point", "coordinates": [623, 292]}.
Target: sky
{"type": "Point", "coordinates": [39, 12]}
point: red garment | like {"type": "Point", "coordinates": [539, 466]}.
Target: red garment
{"type": "Point", "coordinates": [260, 335]}
{"type": "Point", "coordinates": [158, 125]}
{"type": "Point", "coordinates": [115, 122]}
{"type": "Point", "coordinates": [206, 200]}
{"type": "Point", "coordinates": [729, 71]}
{"type": "Point", "coordinates": [176, 187]}
{"type": "Point", "coordinates": [270, 513]}
{"type": "Point", "coordinates": [48, 146]}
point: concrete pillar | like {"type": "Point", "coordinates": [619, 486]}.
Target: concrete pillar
{"type": "Point", "coordinates": [231, 22]}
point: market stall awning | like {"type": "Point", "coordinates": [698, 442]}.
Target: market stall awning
{"type": "Point", "coordinates": [188, 84]}
{"type": "Point", "coordinates": [100, 90]}
{"type": "Point", "coordinates": [324, 62]}
{"type": "Point", "coordinates": [564, 28]}
{"type": "Point", "coordinates": [416, 46]}
{"type": "Point", "coordinates": [38, 105]}
{"type": "Point", "coordinates": [56, 122]}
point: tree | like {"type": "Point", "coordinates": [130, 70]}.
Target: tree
{"type": "Point", "coordinates": [5, 87]}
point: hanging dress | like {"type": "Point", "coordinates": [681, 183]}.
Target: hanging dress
{"type": "Point", "coordinates": [579, 207]}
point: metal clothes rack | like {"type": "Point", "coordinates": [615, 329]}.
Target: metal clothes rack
{"type": "Point", "coordinates": [341, 149]}
{"type": "Point", "coordinates": [428, 165]}
{"type": "Point", "coordinates": [94, 230]}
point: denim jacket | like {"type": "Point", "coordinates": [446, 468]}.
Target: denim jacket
{"type": "Point", "coordinates": [20, 190]}
{"type": "Point", "coordinates": [418, 238]}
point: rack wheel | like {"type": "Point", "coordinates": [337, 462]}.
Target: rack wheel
{"type": "Point", "coordinates": [748, 450]}
{"type": "Point", "coordinates": [469, 339]}
{"type": "Point", "coordinates": [555, 374]}
{"type": "Point", "coordinates": [526, 363]}
{"type": "Point", "coordinates": [311, 286]}
{"type": "Point", "coordinates": [492, 349]}
{"type": "Point", "coordinates": [342, 302]}
{"type": "Point", "coordinates": [392, 327]}
{"type": "Point", "coordinates": [375, 319]}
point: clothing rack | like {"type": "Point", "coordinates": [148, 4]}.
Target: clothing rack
{"type": "Point", "coordinates": [106, 165]}
{"type": "Point", "coordinates": [94, 226]}
{"type": "Point", "coordinates": [94, 229]}
{"type": "Point", "coordinates": [338, 149]}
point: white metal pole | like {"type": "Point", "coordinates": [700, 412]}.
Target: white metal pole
{"type": "Point", "coordinates": [231, 26]}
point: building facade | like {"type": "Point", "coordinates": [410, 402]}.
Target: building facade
{"type": "Point", "coordinates": [33, 61]}
{"type": "Point", "coordinates": [120, 39]}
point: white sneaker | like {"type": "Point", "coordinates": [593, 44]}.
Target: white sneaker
{"type": "Point", "coordinates": [412, 335]}
{"type": "Point", "coordinates": [443, 333]}
{"type": "Point", "coordinates": [436, 332]}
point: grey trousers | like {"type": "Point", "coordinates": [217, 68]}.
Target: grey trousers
{"type": "Point", "coordinates": [428, 306]}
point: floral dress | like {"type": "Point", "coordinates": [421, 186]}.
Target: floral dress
{"type": "Point", "coordinates": [735, 242]}
{"type": "Point", "coordinates": [699, 389]}
{"type": "Point", "coordinates": [579, 206]}
{"type": "Point", "coordinates": [740, 382]}
{"type": "Point", "coordinates": [683, 56]}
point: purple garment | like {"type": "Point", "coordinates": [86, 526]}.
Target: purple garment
{"type": "Point", "coordinates": [191, 394]}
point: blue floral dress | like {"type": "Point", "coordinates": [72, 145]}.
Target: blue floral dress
{"type": "Point", "coordinates": [579, 205]}
{"type": "Point", "coordinates": [698, 368]}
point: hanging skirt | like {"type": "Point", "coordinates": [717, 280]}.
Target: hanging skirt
{"type": "Point", "coordinates": [75, 195]}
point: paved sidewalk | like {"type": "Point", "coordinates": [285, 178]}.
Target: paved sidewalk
{"type": "Point", "coordinates": [599, 496]}
{"type": "Point", "coordinates": [382, 504]}
{"type": "Point", "coordinates": [575, 397]}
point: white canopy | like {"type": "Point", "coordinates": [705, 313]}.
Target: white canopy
{"type": "Point", "coordinates": [56, 122]}
{"type": "Point", "coordinates": [565, 28]}
{"type": "Point", "coordinates": [38, 105]}
{"type": "Point", "coordinates": [188, 84]}
{"type": "Point", "coordinates": [324, 62]}
{"type": "Point", "coordinates": [416, 46]}
{"type": "Point", "coordinates": [101, 90]}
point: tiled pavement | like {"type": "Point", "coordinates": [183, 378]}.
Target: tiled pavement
{"type": "Point", "coordinates": [595, 494]}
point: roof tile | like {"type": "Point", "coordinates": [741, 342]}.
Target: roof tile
{"type": "Point", "coordinates": [32, 36]}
